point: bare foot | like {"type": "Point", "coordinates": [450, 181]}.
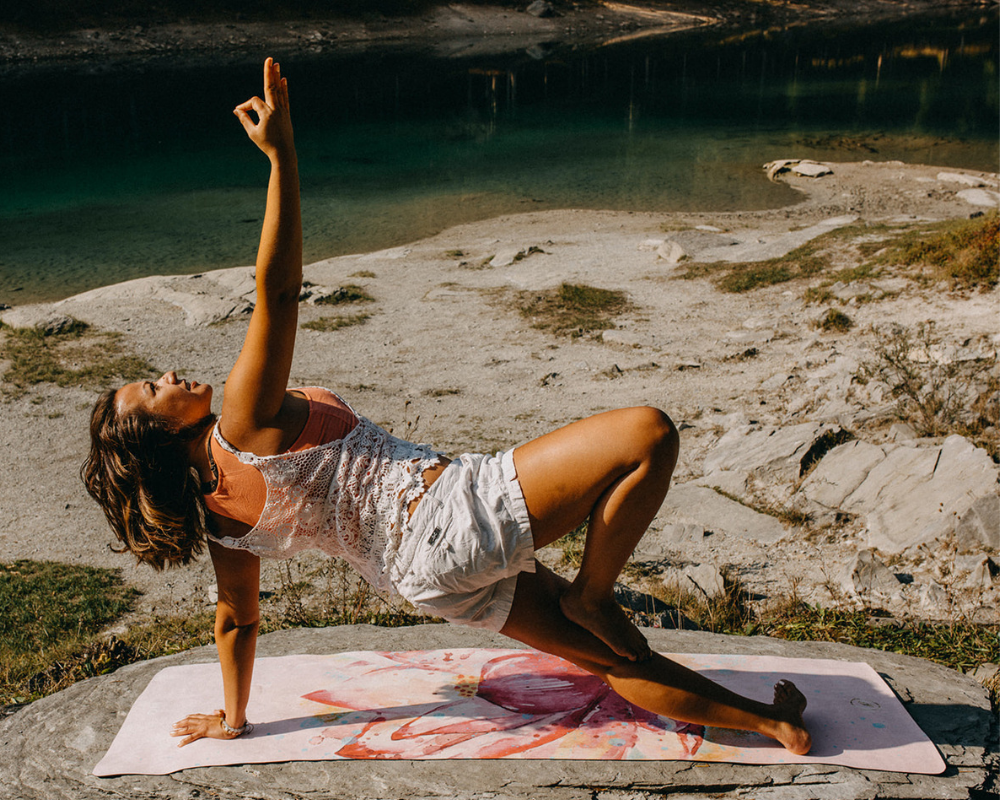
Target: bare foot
{"type": "Point", "coordinates": [609, 623]}
{"type": "Point", "coordinates": [789, 703]}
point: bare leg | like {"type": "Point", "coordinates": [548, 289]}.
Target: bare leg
{"type": "Point", "coordinates": [614, 468]}
{"type": "Point", "coordinates": [656, 684]}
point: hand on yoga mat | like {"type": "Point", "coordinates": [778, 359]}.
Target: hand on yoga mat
{"type": "Point", "coordinates": [201, 726]}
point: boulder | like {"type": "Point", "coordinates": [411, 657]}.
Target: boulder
{"type": "Point", "coordinates": [840, 472]}
{"type": "Point", "coordinates": [933, 597]}
{"type": "Point", "coordinates": [867, 575]}
{"type": "Point", "coordinates": [49, 748]}
{"type": "Point", "coordinates": [541, 8]}
{"type": "Point", "coordinates": [979, 526]}
{"type": "Point", "coordinates": [811, 169]}
{"type": "Point", "coordinates": [698, 579]}
{"type": "Point", "coordinates": [658, 544]}
{"type": "Point", "coordinates": [984, 575]}
{"type": "Point", "coordinates": [507, 256]}
{"type": "Point", "coordinates": [40, 318]}
{"type": "Point", "coordinates": [671, 252]}
{"type": "Point", "coordinates": [201, 309]}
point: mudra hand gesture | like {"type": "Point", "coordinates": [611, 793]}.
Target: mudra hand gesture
{"type": "Point", "coordinates": [272, 132]}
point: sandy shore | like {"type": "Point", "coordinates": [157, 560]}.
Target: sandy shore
{"type": "Point", "coordinates": [444, 357]}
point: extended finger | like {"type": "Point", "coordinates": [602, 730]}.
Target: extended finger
{"type": "Point", "coordinates": [270, 79]}
{"type": "Point", "coordinates": [283, 93]}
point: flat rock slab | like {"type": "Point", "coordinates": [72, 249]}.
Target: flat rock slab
{"type": "Point", "coordinates": [688, 503]}
{"type": "Point", "coordinates": [48, 749]}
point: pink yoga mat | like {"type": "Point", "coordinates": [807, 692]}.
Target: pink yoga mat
{"type": "Point", "coordinates": [481, 703]}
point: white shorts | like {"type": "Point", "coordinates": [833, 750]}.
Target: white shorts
{"type": "Point", "coordinates": [466, 543]}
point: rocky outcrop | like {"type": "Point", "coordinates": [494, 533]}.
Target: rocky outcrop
{"type": "Point", "coordinates": [913, 493]}
{"type": "Point", "coordinates": [48, 749]}
{"type": "Point", "coordinates": [205, 299]}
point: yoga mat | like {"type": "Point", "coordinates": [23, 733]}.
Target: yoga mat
{"type": "Point", "coordinates": [483, 703]}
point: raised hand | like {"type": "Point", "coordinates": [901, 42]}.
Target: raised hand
{"type": "Point", "coordinates": [272, 130]}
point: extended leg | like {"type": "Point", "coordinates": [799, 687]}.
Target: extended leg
{"type": "Point", "coordinates": [656, 684]}
{"type": "Point", "coordinates": [614, 468]}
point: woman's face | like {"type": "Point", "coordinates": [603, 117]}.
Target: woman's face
{"type": "Point", "coordinates": [185, 401]}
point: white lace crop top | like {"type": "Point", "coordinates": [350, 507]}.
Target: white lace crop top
{"type": "Point", "coordinates": [347, 497]}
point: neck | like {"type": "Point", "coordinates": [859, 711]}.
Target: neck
{"type": "Point", "coordinates": [198, 455]}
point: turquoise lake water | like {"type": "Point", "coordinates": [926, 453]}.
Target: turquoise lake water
{"type": "Point", "coordinates": [127, 170]}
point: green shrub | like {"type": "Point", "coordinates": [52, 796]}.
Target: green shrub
{"type": "Point", "coordinates": [835, 321]}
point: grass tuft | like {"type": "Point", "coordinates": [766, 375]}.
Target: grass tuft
{"type": "Point", "coordinates": [958, 644]}
{"type": "Point", "coordinates": [326, 324]}
{"type": "Point", "coordinates": [835, 321]}
{"type": "Point", "coordinates": [76, 356]}
{"type": "Point", "coordinates": [573, 309]}
{"type": "Point", "coordinates": [964, 252]}
{"type": "Point", "coordinates": [348, 293]}
{"type": "Point", "coordinates": [802, 262]}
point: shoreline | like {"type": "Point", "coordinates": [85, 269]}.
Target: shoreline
{"type": "Point", "coordinates": [448, 28]}
{"type": "Point", "coordinates": [443, 357]}
{"type": "Point", "coordinates": [56, 276]}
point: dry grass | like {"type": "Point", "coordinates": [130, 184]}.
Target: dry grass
{"type": "Point", "coordinates": [964, 253]}
{"type": "Point", "coordinates": [938, 396]}
{"type": "Point", "coordinates": [77, 356]}
{"type": "Point", "coordinates": [834, 321]}
{"type": "Point", "coordinates": [349, 293]}
{"type": "Point", "coordinates": [327, 324]}
{"type": "Point", "coordinates": [573, 310]}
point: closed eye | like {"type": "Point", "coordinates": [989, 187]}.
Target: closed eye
{"type": "Point", "coordinates": [152, 387]}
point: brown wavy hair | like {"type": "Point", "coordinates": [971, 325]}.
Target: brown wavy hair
{"type": "Point", "coordinates": [139, 472]}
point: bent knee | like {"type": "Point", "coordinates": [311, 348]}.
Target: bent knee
{"type": "Point", "coordinates": [658, 433]}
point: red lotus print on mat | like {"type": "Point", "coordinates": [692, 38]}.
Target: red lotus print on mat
{"type": "Point", "coordinates": [522, 703]}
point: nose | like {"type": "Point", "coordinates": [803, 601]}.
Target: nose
{"type": "Point", "coordinates": [169, 377]}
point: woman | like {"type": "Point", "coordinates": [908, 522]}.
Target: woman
{"type": "Point", "coordinates": [284, 470]}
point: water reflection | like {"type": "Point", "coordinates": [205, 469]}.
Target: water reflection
{"type": "Point", "coordinates": [110, 177]}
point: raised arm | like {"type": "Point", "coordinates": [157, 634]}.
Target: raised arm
{"type": "Point", "coordinates": [255, 390]}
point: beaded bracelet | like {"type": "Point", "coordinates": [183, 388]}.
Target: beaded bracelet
{"type": "Point", "coordinates": [245, 728]}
